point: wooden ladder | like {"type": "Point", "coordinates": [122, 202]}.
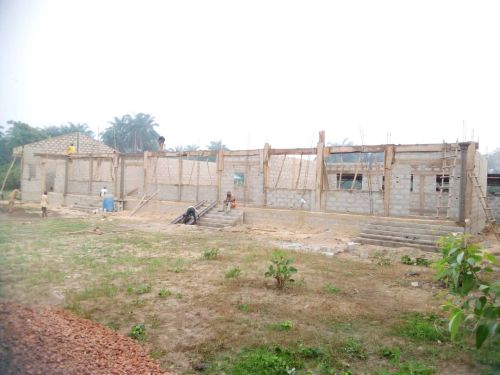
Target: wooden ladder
{"type": "Point", "coordinates": [490, 218]}
{"type": "Point", "coordinates": [448, 169]}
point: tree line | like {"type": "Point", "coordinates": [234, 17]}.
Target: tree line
{"type": "Point", "coordinates": [127, 134]}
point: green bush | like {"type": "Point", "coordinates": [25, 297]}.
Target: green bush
{"type": "Point", "coordinates": [138, 332]}
{"type": "Point", "coordinates": [233, 273]}
{"type": "Point", "coordinates": [210, 253]}
{"type": "Point", "coordinates": [476, 306]}
{"type": "Point", "coordinates": [281, 269]}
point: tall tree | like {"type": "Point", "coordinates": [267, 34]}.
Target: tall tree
{"type": "Point", "coordinates": [69, 127]}
{"type": "Point", "coordinates": [217, 145]}
{"type": "Point", "coordinates": [132, 133]}
{"type": "Point", "coordinates": [20, 133]}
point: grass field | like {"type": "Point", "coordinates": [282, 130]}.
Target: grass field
{"type": "Point", "coordinates": [199, 300]}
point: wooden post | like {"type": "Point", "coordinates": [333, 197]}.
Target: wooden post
{"type": "Point", "coordinates": [388, 161]}
{"type": "Point", "coordinates": [122, 178]}
{"type": "Point", "coordinates": [7, 174]}
{"type": "Point", "coordinates": [265, 171]}
{"type": "Point", "coordinates": [198, 179]}
{"type": "Point", "coordinates": [320, 153]}
{"type": "Point", "coordinates": [91, 173]}
{"type": "Point", "coordinates": [146, 174]}
{"type": "Point", "coordinates": [179, 190]}
{"type": "Point", "coordinates": [220, 168]}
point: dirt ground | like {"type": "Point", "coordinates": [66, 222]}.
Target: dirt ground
{"type": "Point", "coordinates": [142, 270]}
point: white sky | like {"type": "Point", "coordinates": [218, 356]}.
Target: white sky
{"type": "Point", "coordinates": [257, 71]}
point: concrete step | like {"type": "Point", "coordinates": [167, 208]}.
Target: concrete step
{"type": "Point", "coordinates": [403, 240]}
{"type": "Point", "coordinates": [386, 228]}
{"type": "Point", "coordinates": [446, 227]}
{"type": "Point", "coordinates": [399, 234]}
{"type": "Point", "coordinates": [369, 241]}
{"type": "Point", "coordinates": [217, 219]}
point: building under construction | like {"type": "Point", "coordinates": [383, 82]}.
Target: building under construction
{"type": "Point", "coordinates": [425, 182]}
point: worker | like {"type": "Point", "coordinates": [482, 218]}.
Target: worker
{"type": "Point", "coordinates": [103, 192]}
{"type": "Point", "coordinates": [161, 143]}
{"type": "Point", "coordinates": [44, 204]}
{"type": "Point", "coordinates": [71, 149]}
{"type": "Point", "coordinates": [190, 213]}
{"type": "Point", "coordinates": [229, 202]}
{"type": "Point", "coordinates": [12, 199]}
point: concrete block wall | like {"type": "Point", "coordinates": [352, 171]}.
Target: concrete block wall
{"type": "Point", "coordinates": [252, 191]}
{"type": "Point", "coordinates": [494, 204]}
{"type": "Point", "coordinates": [478, 216]}
{"type": "Point", "coordinates": [287, 198]}
{"type": "Point", "coordinates": [290, 172]}
{"type": "Point", "coordinates": [355, 201]}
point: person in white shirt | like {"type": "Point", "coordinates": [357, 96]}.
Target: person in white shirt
{"type": "Point", "coordinates": [103, 192]}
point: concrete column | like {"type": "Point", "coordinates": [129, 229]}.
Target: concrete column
{"type": "Point", "coordinates": [66, 170]}
{"type": "Point", "coordinates": [463, 182]}
{"type": "Point", "coordinates": [122, 178]}
{"type": "Point", "coordinates": [220, 168]}
{"type": "Point", "coordinates": [388, 161]}
{"type": "Point", "coordinates": [320, 153]}
{"type": "Point", "coordinates": [265, 171]}
{"type": "Point", "coordinates": [91, 172]}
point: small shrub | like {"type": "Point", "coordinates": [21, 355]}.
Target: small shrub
{"type": "Point", "coordinates": [281, 269]}
{"type": "Point", "coordinates": [282, 326]}
{"type": "Point", "coordinates": [307, 352]}
{"type": "Point", "coordinates": [138, 332]}
{"type": "Point", "coordinates": [392, 354]}
{"type": "Point", "coordinates": [423, 262]}
{"type": "Point", "coordinates": [405, 259]}
{"type": "Point", "coordinates": [261, 361]}
{"type": "Point", "coordinates": [381, 260]}
{"type": "Point", "coordinates": [354, 349]}
{"type": "Point", "coordinates": [143, 289]}
{"type": "Point", "coordinates": [210, 254]}
{"type": "Point", "coordinates": [233, 273]}
{"type": "Point", "coordinates": [245, 307]}
{"type": "Point", "coordinates": [164, 293]}
{"type": "Point", "coordinates": [331, 289]}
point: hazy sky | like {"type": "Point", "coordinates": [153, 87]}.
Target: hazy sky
{"type": "Point", "coordinates": [257, 71]}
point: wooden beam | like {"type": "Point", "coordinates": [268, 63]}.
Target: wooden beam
{"type": "Point", "coordinates": [179, 190]}
{"type": "Point", "coordinates": [91, 173]}
{"type": "Point", "coordinates": [355, 149]}
{"type": "Point", "coordinates": [220, 169]}
{"type": "Point", "coordinates": [66, 170]}
{"type": "Point", "coordinates": [122, 178]}
{"type": "Point", "coordinates": [7, 174]}
{"type": "Point", "coordinates": [293, 151]}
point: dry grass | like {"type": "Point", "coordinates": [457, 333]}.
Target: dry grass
{"type": "Point", "coordinates": [206, 315]}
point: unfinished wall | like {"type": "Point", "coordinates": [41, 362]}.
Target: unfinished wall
{"type": "Point", "coordinates": [478, 218]}
{"type": "Point", "coordinates": [405, 183]}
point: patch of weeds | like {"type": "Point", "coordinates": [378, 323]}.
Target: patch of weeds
{"type": "Point", "coordinates": [261, 361]}
{"type": "Point", "coordinates": [282, 326]}
{"type": "Point", "coordinates": [138, 332]}
{"type": "Point", "coordinates": [308, 352]}
{"type": "Point", "coordinates": [405, 259]}
{"type": "Point", "coordinates": [380, 259]}
{"type": "Point", "coordinates": [178, 265]}
{"type": "Point", "coordinates": [423, 262]}
{"type": "Point", "coordinates": [164, 293]}
{"type": "Point", "coordinates": [143, 289]}
{"type": "Point", "coordinates": [281, 269]}
{"type": "Point", "coordinates": [420, 327]}
{"type": "Point", "coordinates": [233, 273]}
{"type": "Point", "coordinates": [178, 295]}
{"type": "Point", "coordinates": [245, 307]}
{"type": "Point", "coordinates": [353, 348]}
{"type": "Point", "coordinates": [331, 289]}
{"type": "Point", "coordinates": [157, 353]}
{"type": "Point", "coordinates": [210, 254]}
{"type": "Point", "coordinates": [138, 302]}
{"type": "Point", "coordinates": [115, 326]}
{"type": "Point", "coordinates": [414, 368]}
{"type": "Point", "coordinates": [153, 321]}
{"type": "Point", "coordinates": [392, 354]}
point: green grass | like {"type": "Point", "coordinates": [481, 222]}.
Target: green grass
{"type": "Point", "coordinates": [420, 327]}
{"type": "Point", "coordinates": [234, 272]}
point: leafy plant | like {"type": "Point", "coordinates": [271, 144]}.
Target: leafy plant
{"type": "Point", "coordinates": [422, 262]}
{"type": "Point", "coordinates": [245, 307]}
{"type": "Point", "coordinates": [391, 354]}
{"type": "Point", "coordinates": [138, 332]}
{"type": "Point", "coordinates": [381, 260]}
{"type": "Point", "coordinates": [210, 254]}
{"type": "Point", "coordinates": [463, 268]}
{"type": "Point", "coordinates": [331, 289]}
{"type": "Point", "coordinates": [143, 289]}
{"type": "Point", "coordinates": [281, 269]}
{"type": "Point", "coordinates": [233, 273]}
{"type": "Point", "coordinates": [282, 326]}
{"type": "Point", "coordinates": [405, 259]}
{"type": "Point", "coordinates": [163, 293]}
